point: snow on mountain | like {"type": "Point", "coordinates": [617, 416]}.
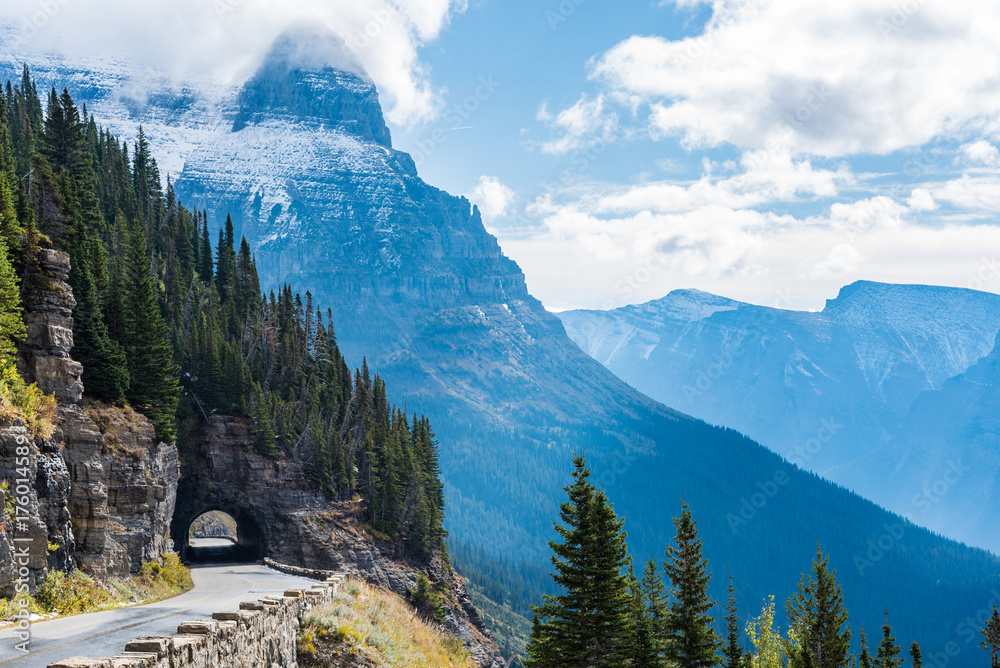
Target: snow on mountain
{"type": "Point", "coordinates": [781, 376]}
{"type": "Point", "coordinates": [299, 155]}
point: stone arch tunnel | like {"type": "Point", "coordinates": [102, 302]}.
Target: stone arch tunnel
{"type": "Point", "coordinates": [248, 546]}
{"type": "Point", "coordinates": [270, 499]}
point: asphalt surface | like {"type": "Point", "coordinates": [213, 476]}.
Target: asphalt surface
{"type": "Point", "coordinates": [216, 587]}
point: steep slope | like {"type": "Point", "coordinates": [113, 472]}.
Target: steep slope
{"type": "Point", "coordinates": [779, 376]}
{"type": "Point", "coordinates": [416, 282]}
{"type": "Point", "coordinates": [950, 444]}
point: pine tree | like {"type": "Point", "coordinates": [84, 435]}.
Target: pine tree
{"type": "Point", "coordinates": [918, 659]}
{"type": "Point", "coordinates": [733, 651]}
{"type": "Point", "coordinates": [153, 384]}
{"type": "Point", "coordinates": [655, 597]}
{"type": "Point", "coordinates": [641, 649]}
{"type": "Point", "coordinates": [12, 327]}
{"type": "Point", "coordinates": [991, 638]}
{"type": "Point", "coordinates": [888, 651]}
{"type": "Point", "coordinates": [587, 623]}
{"type": "Point", "coordinates": [691, 641]}
{"type": "Point", "coordinates": [817, 615]}
{"type": "Point", "coordinates": [864, 658]}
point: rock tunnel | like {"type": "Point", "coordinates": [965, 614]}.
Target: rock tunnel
{"type": "Point", "coordinates": [244, 544]}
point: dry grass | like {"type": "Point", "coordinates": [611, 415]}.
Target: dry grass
{"type": "Point", "coordinates": [108, 418]}
{"type": "Point", "coordinates": [381, 627]}
{"type": "Point", "coordinates": [75, 593]}
{"type": "Point", "coordinates": [20, 401]}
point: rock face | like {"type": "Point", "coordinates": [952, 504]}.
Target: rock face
{"type": "Point", "coordinates": [100, 494]}
{"type": "Point", "coordinates": [418, 285]}
{"type": "Point", "coordinates": [868, 365]}
{"type": "Point", "coordinates": [280, 516]}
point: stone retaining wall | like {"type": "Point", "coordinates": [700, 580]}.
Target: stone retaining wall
{"type": "Point", "coordinates": [311, 573]}
{"type": "Point", "coordinates": [261, 634]}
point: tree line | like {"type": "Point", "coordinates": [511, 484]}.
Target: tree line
{"type": "Point", "coordinates": [608, 616]}
{"type": "Point", "coordinates": [178, 327]}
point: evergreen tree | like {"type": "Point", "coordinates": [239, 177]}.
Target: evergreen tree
{"type": "Point", "coordinates": [153, 386]}
{"type": "Point", "coordinates": [641, 649]}
{"type": "Point", "coordinates": [655, 597]}
{"type": "Point", "coordinates": [888, 651]}
{"type": "Point", "coordinates": [691, 641]}
{"type": "Point", "coordinates": [991, 638]}
{"type": "Point", "coordinates": [586, 624]}
{"type": "Point", "coordinates": [864, 658]}
{"type": "Point", "coordinates": [918, 659]}
{"type": "Point", "coordinates": [817, 615]}
{"type": "Point", "coordinates": [733, 651]}
{"type": "Point", "coordinates": [12, 327]}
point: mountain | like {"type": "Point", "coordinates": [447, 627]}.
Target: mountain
{"type": "Point", "coordinates": [870, 364]}
{"type": "Point", "coordinates": [414, 279]}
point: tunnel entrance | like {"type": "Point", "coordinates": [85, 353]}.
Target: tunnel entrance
{"type": "Point", "coordinates": [215, 535]}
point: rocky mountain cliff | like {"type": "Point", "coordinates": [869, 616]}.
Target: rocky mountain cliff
{"type": "Point", "coordinates": [779, 376]}
{"type": "Point", "coordinates": [418, 285]}
{"type": "Point", "coordinates": [100, 490]}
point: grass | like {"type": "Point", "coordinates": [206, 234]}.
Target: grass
{"type": "Point", "coordinates": [27, 403]}
{"type": "Point", "coordinates": [368, 622]}
{"type": "Point", "coordinates": [107, 418]}
{"type": "Point", "coordinates": [76, 593]}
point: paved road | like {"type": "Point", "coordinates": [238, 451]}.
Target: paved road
{"type": "Point", "coordinates": [216, 587]}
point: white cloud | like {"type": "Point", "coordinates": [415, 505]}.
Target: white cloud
{"type": "Point", "coordinates": [493, 198]}
{"type": "Point", "coordinates": [826, 78]}
{"type": "Point", "coordinates": [842, 260]}
{"type": "Point", "coordinates": [921, 200]}
{"type": "Point", "coordinates": [584, 124]}
{"type": "Point", "coordinates": [969, 192]}
{"type": "Point", "coordinates": [765, 178]}
{"type": "Point", "coordinates": [982, 153]}
{"type": "Point", "coordinates": [225, 39]}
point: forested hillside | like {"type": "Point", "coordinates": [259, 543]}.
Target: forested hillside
{"type": "Point", "coordinates": [179, 329]}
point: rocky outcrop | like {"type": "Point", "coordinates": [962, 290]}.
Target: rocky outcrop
{"type": "Point", "coordinates": [96, 495]}
{"type": "Point", "coordinates": [260, 633]}
{"type": "Point", "coordinates": [280, 516]}
{"type": "Point", "coordinates": [124, 488]}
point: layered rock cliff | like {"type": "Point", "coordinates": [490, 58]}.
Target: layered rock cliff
{"type": "Point", "coordinates": [281, 516]}
{"type": "Point", "coordinates": [100, 490]}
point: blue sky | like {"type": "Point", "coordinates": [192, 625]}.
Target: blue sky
{"type": "Point", "coordinates": [766, 150]}
{"type": "Point", "coordinates": [850, 193]}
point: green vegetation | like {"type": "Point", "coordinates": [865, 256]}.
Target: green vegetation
{"type": "Point", "coordinates": [991, 638]}
{"type": "Point", "coordinates": [427, 598]}
{"type": "Point", "coordinates": [77, 593]}
{"type": "Point", "coordinates": [178, 330]}
{"type": "Point", "coordinates": [606, 616]}
{"type": "Point", "coordinates": [377, 628]}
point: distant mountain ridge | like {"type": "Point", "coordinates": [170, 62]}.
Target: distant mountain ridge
{"type": "Point", "coordinates": [873, 360]}
{"type": "Point", "coordinates": [413, 277]}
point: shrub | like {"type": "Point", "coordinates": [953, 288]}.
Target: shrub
{"type": "Point", "coordinates": [20, 401]}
